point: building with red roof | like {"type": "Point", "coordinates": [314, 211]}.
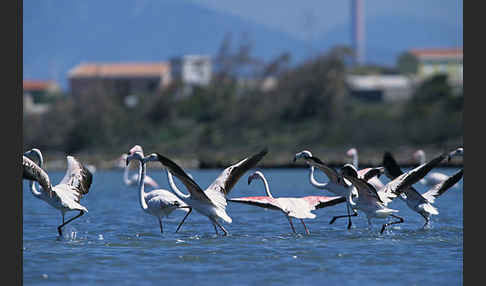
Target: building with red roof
{"type": "Point", "coordinates": [119, 78]}
{"type": "Point", "coordinates": [434, 61]}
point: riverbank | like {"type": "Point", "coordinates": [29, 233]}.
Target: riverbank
{"type": "Point", "coordinates": [334, 158]}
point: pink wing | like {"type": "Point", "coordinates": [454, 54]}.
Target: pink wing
{"type": "Point", "coordinates": [150, 182]}
{"type": "Point", "coordinates": [323, 201]}
{"type": "Point", "coordinates": [259, 201]}
{"type": "Point", "coordinates": [362, 172]}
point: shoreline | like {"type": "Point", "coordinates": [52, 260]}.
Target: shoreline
{"type": "Point", "coordinates": [58, 162]}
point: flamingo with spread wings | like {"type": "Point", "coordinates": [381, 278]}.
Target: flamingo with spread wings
{"type": "Point", "coordinates": [299, 208]}
{"type": "Point", "coordinates": [212, 201]}
{"type": "Point", "coordinates": [66, 195]}
{"type": "Point", "coordinates": [421, 203]}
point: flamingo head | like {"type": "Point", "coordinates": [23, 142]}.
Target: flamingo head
{"type": "Point", "coordinates": [352, 152]}
{"type": "Point", "coordinates": [419, 154]}
{"type": "Point", "coordinates": [150, 158]}
{"type": "Point", "coordinates": [457, 152]}
{"type": "Point", "coordinates": [349, 170]}
{"type": "Point", "coordinates": [136, 148]}
{"type": "Point", "coordinates": [255, 175]}
{"type": "Point", "coordinates": [304, 154]}
{"type": "Point", "coordinates": [37, 153]}
{"type": "Point", "coordinates": [136, 156]}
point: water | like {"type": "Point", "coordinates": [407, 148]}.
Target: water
{"type": "Point", "coordinates": [116, 243]}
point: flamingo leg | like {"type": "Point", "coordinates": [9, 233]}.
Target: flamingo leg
{"type": "Point", "coordinates": [160, 224]}
{"type": "Point", "coordinates": [427, 221]}
{"type": "Point", "coordinates": [180, 224]}
{"type": "Point", "coordinates": [71, 219]}
{"type": "Point", "coordinates": [341, 216]}
{"type": "Point", "coordinates": [400, 220]}
{"type": "Point", "coordinates": [223, 229]}
{"type": "Point", "coordinates": [349, 217]}
{"type": "Point", "coordinates": [215, 228]}
{"type": "Point", "coordinates": [306, 230]}
{"type": "Point", "coordinates": [216, 223]}
{"type": "Point", "coordinates": [291, 224]}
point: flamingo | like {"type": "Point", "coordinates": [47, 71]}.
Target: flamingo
{"type": "Point", "coordinates": [433, 178]}
{"type": "Point", "coordinates": [32, 172]}
{"type": "Point", "coordinates": [375, 181]}
{"type": "Point", "coordinates": [67, 194]}
{"type": "Point", "coordinates": [159, 203]}
{"type": "Point", "coordinates": [212, 201]}
{"type": "Point", "coordinates": [133, 180]}
{"type": "Point", "coordinates": [369, 200]}
{"type": "Point", "coordinates": [420, 203]}
{"type": "Point", "coordinates": [335, 180]}
{"type": "Point", "coordinates": [299, 208]}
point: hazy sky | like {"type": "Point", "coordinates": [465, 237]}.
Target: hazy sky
{"type": "Point", "coordinates": [305, 19]}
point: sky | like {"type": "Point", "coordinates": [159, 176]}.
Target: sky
{"type": "Point", "coordinates": [57, 34]}
{"type": "Point", "coordinates": [303, 19]}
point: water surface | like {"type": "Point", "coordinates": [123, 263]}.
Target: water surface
{"type": "Point", "coordinates": [116, 243]}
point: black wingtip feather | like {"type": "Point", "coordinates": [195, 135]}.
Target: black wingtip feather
{"type": "Point", "coordinates": [86, 183]}
{"type": "Point", "coordinates": [392, 170]}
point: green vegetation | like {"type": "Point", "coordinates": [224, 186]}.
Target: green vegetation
{"type": "Point", "coordinates": [310, 108]}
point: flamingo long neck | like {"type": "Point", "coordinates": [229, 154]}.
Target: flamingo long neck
{"type": "Point", "coordinates": [141, 175]}
{"type": "Point", "coordinates": [267, 189]}
{"type": "Point", "coordinates": [125, 176]}
{"type": "Point", "coordinates": [313, 181]}
{"type": "Point", "coordinates": [174, 188]}
{"type": "Point", "coordinates": [355, 160]}
{"type": "Point", "coordinates": [33, 188]}
{"type": "Point", "coordinates": [422, 158]}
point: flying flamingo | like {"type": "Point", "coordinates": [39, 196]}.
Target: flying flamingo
{"type": "Point", "coordinates": [65, 195]}
{"type": "Point", "coordinates": [375, 181]}
{"type": "Point", "coordinates": [212, 201]}
{"type": "Point", "coordinates": [133, 180]}
{"type": "Point", "coordinates": [159, 203]}
{"type": "Point", "coordinates": [373, 203]}
{"type": "Point", "coordinates": [433, 178]}
{"type": "Point", "coordinates": [299, 208]}
{"type": "Point", "coordinates": [421, 203]}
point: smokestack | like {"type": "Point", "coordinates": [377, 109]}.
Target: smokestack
{"type": "Point", "coordinates": [358, 33]}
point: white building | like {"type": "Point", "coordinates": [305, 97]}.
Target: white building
{"type": "Point", "coordinates": [192, 69]}
{"type": "Point", "coordinates": [380, 87]}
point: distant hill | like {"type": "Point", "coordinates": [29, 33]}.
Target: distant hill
{"type": "Point", "coordinates": [61, 35]}
{"type": "Point", "coordinates": [57, 35]}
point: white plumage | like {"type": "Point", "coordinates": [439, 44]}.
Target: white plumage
{"type": "Point", "coordinates": [300, 208]}
{"type": "Point", "coordinates": [67, 194]}
{"type": "Point", "coordinates": [368, 199]}
{"type": "Point", "coordinates": [159, 203]}
{"type": "Point", "coordinates": [422, 203]}
{"type": "Point", "coordinates": [212, 201]}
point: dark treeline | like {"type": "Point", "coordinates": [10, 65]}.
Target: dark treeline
{"type": "Point", "coordinates": [309, 108]}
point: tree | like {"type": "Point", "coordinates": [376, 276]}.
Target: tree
{"type": "Point", "coordinates": [407, 63]}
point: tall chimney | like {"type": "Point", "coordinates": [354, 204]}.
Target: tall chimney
{"type": "Point", "coordinates": [357, 27]}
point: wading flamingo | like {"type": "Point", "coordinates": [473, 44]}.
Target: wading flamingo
{"type": "Point", "coordinates": [299, 208]}
{"type": "Point", "coordinates": [67, 194]}
{"type": "Point", "coordinates": [420, 203]}
{"type": "Point", "coordinates": [159, 203]}
{"type": "Point", "coordinates": [212, 201]}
